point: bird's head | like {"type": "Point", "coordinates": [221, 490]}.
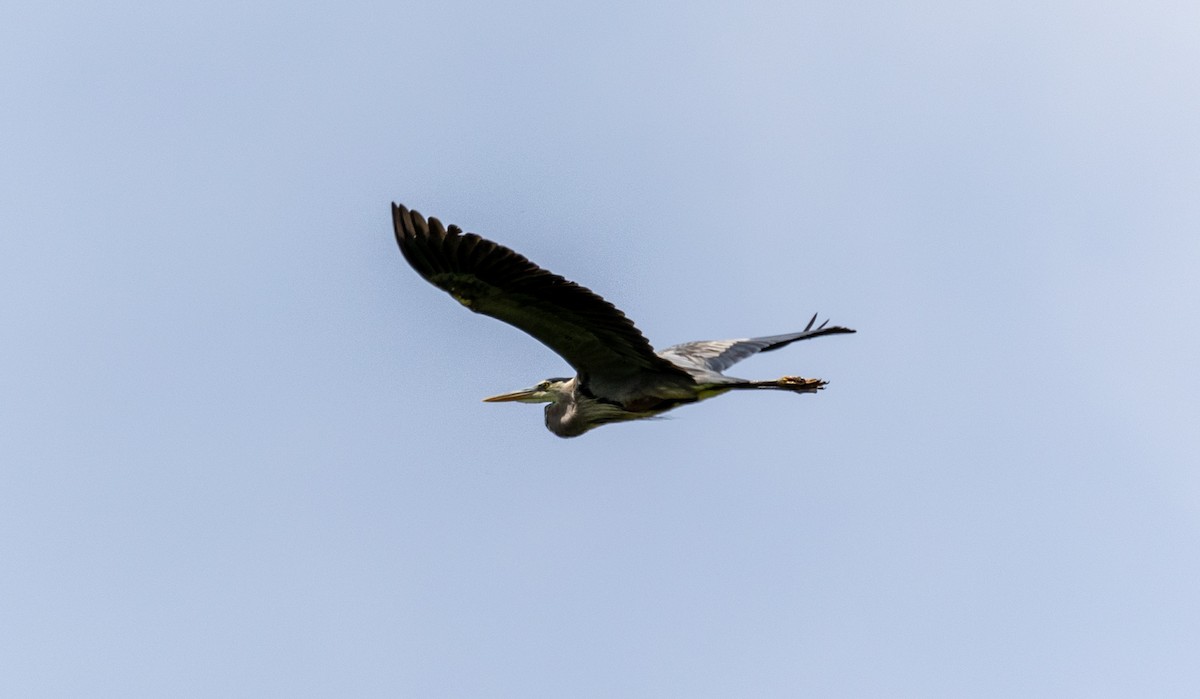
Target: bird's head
{"type": "Point", "coordinates": [546, 391]}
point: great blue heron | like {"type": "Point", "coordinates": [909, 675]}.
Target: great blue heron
{"type": "Point", "coordinates": [618, 376]}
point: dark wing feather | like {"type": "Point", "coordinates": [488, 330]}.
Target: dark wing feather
{"type": "Point", "coordinates": [590, 333]}
{"type": "Point", "coordinates": [719, 355]}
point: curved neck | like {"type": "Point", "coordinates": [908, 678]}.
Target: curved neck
{"type": "Point", "coordinates": [573, 412]}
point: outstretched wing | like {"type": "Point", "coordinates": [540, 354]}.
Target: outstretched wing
{"type": "Point", "coordinates": [590, 333]}
{"type": "Point", "coordinates": [719, 355]}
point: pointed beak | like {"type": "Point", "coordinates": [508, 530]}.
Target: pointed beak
{"type": "Point", "coordinates": [524, 394]}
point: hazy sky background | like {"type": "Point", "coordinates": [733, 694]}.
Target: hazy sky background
{"type": "Point", "coordinates": [243, 449]}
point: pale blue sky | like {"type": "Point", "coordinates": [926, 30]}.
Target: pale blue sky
{"type": "Point", "coordinates": [242, 443]}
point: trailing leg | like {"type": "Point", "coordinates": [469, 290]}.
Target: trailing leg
{"type": "Point", "coordinates": [795, 384]}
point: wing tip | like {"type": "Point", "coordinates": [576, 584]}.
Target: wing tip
{"type": "Point", "coordinates": [823, 328]}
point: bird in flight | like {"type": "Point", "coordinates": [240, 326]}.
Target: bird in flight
{"type": "Point", "coordinates": [618, 375]}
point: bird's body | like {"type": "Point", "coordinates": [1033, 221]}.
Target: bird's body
{"type": "Point", "coordinates": [619, 377]}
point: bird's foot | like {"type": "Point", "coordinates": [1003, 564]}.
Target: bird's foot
{"type": "Point", "coordinates": [799, 384]}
